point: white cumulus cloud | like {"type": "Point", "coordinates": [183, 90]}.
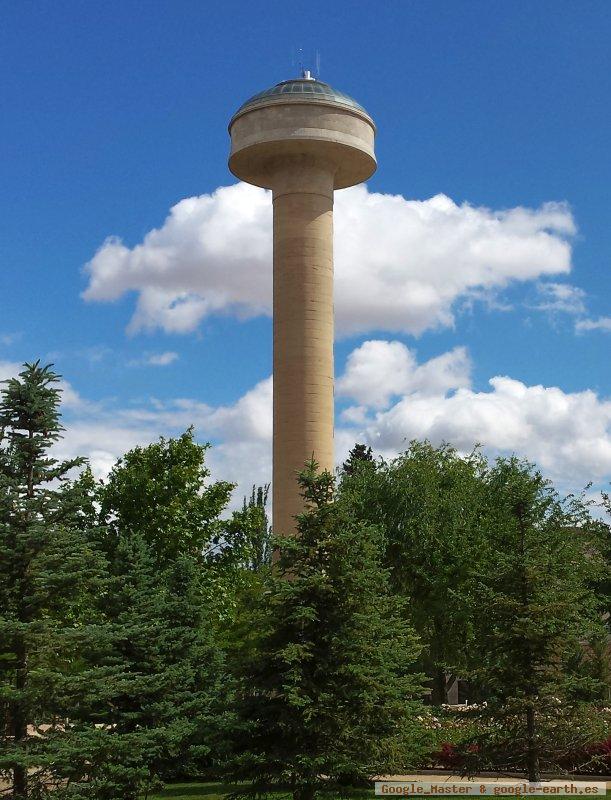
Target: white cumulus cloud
{"type": "Point", "coordinates": [396, 399]}
{"type": "Point", "coordinates": [568, 434]}
{"type": "Point", "coordinates": [400, 264]}
{"type": "Point", "coordinates": [241, 433]}
{"type": "Point", "coordinates": [379, 370]}
{"type": "Point", "coordinates": [157, 359]}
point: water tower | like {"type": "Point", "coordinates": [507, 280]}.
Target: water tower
{"type": "Point", "coordinates": [302, 139]}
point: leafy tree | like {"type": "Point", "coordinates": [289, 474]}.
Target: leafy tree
{"type": "Point", "coordinates": [246, 539]}
{"type": "Point", "coordinates": [326, 688]}
{"type": "Point", "coordinates": [160, 492]}
{"type": "Point", "coordinates": [429, 502]}
{"type": "Point", "coordinates": [49, 566]}
{"type": "Point", "coordinates": [533, 608]}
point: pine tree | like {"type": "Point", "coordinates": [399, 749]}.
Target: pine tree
{"type": "Point", "coordinates": [326, 687]}
{"type": "Point", "coordinates": [160, 712]}
{"type": "Point", "coordinates": [48, 567]}
{"type": "Point", "coordinates": [603, 585]}
{"type": "Point", "coordinates": [163, 606]}
{"type": "Point", "coordinates": [532, 608]}
{"type": "Point", "coordinates": [359, 455]}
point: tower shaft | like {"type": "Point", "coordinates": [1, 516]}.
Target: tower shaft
{"type": "Point", "coordinates": [303, 329]}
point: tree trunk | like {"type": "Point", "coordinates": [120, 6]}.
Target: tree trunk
{"type": "Point", "coordinates": [19, 713]}
{"type": "Point", "coordinates": [20, 783]}
{"type": "Point", "coordinates": [20, 724]}
{"type": "Point", "coordinates": [533, 750]}
{"type": "Point", "coordinates": [438, 689]}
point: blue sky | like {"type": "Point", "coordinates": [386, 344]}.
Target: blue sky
{"type": "Point", "coordinates": [113, 113]}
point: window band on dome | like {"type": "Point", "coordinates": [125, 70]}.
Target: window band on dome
{"type": "Point", "coordinates": [302, 88]}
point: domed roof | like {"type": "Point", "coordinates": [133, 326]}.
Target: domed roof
{"type": "Point", "coordinates": [301, 89]}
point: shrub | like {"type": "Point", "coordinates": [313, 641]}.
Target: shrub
{"type": "Point", "coordinates": [573, 740]}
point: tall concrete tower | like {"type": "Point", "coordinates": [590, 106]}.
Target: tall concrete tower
{"type": "Point", "coordinates": [301, 139]}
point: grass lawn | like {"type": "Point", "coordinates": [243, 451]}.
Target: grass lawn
{"type": "Point", "coordinates": [191, 791]}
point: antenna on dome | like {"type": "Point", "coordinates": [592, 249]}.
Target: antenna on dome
{"type": "Point", "coordinates": [318, 64]}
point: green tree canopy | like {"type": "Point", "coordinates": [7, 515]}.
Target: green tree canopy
{"type": "Point", "coordinates": [359, 455]}
{"type": "Point", "coordinates": [429, 502]}
{"type": "Point", "coordinates": [326, 689]}
{"type": "Point", "coordinates": [49, 570]}
{"type": "Point", "coordinates": [533, 606]}
{"type": "Point", "coordinates": [161, 492]}
{"type": "Point", "coordinates": [162, 710]}
{"type": "Point", "coordinates": [165, 600]}
{"type": "Point", "coordinates": [246, 539]}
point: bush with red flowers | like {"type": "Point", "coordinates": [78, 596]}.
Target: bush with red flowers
{"type": "Point", "coordinates": [470, 739]}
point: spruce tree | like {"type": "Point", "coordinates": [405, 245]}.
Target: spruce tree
{"type": "Point", "coordinates": [359, 455]}
{"type": "Point", "coordinates": [163, 605]}
{"type": "Point", "coordinates": [161, 711]}
{"type": "Point", "coordinates": [533, 608]}
{"type": "Point", "coordinates": [326, 688]}
{"type": "Point", "coordinates": [603, 585]}
{"type": "Point", "coordinates": [49, 567]}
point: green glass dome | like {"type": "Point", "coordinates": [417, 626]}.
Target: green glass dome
{"type": "Point", "coordinates": [301, 89]}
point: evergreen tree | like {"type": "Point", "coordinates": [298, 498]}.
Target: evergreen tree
{"type": "Point", "coordinates": [359, 455]}
{"type": "Point", "coordinates": [430, 503]}
{"type": "Point", "coordinates": [533, 608]}
{"type": "Point", "coordinates": [595, 658]}
{"type": "Point", "coordinates": [326, 687]}
{"type": "Point", "coordinates": [161, 713]}
{"type": "Point", "coordinates": [48, 568]}
{"type": "Point", "coordinates": [603, 586]}
{"type": "Point", "coordinates": [163, 604]}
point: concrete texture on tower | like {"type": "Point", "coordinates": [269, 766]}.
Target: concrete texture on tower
{"type": "Point", "coordinates": [301, 139]}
